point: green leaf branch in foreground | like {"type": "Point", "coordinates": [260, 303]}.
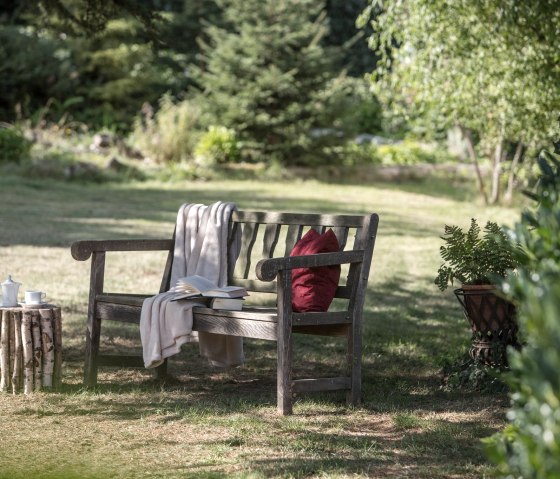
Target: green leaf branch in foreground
{"type": "Point", "coordinates": [530, 445]}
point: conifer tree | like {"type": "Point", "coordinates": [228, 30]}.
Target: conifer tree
{"type": "Point", "coordinates": [263, 75]}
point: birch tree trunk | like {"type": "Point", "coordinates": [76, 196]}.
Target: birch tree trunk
{"type": "Point", "coordinates": [57, 326]}
{"type": "Point", "coordinates": [508, 195]}
{"type": "Point", "coordinates": [18, 354]}
{"type": "Point", "coordinates": [12, 344]}
{"type": "Point", "coordinates": [47, 344]}
{"type": "Point", "coordinates": [474, 158]}
{"type": "Point", "coordinates": [5, 352]}
{"type": "Point", "coordinates": [27, 340]}
{"type": "Point", "coordinates": [497, 171]}
{"type": "Point", "coordinates": [37, 351]}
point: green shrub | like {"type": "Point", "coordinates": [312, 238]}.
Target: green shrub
{"type": "Point", "coordinates": [403, 153]}
{"type": "Point", "coordinates": [530, 446]}
{"type": "Point", "coordinates": [365, 112]}
{"type": "Point", "coordinates": [410, 153]}
{"type": "Point", "coordinates": [217, 146]}
{"type": "Point", "coordinates": [14, 147]}
{"type": "Point", "coordinates": [171, 134]}
{"type": "Point", "coordinates": [353, 154]}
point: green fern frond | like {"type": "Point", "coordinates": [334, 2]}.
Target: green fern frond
{"type": "Point", "coordinates": [476, 256]}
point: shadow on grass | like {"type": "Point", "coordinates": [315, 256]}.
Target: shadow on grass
{"type": "Point", "coordinates": [58, 213]}
{"type": "Point", "coordinates": [408, 336]}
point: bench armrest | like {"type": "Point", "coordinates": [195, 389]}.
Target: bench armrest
{"type": "Point", "coordinates": [267, 269]}
{"type": "Point", "coordinates": [82, 250]}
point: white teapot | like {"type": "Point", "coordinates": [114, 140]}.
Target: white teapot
{"type": "Point", "coordinates": [10, 293]}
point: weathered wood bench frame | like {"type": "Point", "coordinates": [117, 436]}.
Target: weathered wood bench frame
{"type": "Point", "coordinates": [271, 275]}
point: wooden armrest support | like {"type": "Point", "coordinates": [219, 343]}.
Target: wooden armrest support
{"type": "Point", "coordinates": [82, 250]}
{"type": "Point", "coordinates": [267, 269]}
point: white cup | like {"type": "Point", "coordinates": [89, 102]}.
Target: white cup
{"type": "Point", "coordinates": [34, 297]}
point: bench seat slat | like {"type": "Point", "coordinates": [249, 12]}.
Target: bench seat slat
{"type": "Point", "coordinates": [127, 310]}
{"type": "Point", "coordinates": [122, 298]}
{"type": "Point", "coordinates": [244, 327]}
{"type": "Point", "coordinates": [125, 313]}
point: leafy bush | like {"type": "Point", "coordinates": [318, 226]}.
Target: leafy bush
{"type": "Point", "coordinates": [410, 153]}
{"type": "Point", "coordinates": [473, 259]}
{"type": "Point", "coordinates": [467, 374]}
{"type": "Point", "coordinates": [366, 113]}
{"type": "Point", "coordinates": [530, 446]}
{"type": "Point", "coordinates": [217, 146]}
{"type": "Point", "coordinates": [354, 154]}
{"type": "Point", "coordinates": [171, 134]}
{"type": "Point", "coordinates": [14, 147]}
{"type": "Point", "coordinates": [403, 153]}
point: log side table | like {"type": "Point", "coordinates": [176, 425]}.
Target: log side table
{"type": "Point", "coordinates": [30, 348]}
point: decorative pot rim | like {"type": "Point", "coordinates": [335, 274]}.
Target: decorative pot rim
{"type": "Point", "coordinates": [479, 287]}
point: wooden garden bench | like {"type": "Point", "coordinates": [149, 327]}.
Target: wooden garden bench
{"type": "Point", "coordinates": [262, 234]}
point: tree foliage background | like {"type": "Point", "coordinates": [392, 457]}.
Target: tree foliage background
{"type": "Point", "coordinates": [489, 67]}
{"type": "Point", "coordinates": [112, 56]}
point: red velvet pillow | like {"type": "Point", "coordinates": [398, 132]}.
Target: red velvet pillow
{"type": "Point", "coordinates": [313, 289]}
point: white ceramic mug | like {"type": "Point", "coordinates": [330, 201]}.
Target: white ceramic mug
{"type": "Point", "coordinates": [34, 297]}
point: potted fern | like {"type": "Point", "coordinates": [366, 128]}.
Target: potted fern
{"type": "Point", "coordinates": [478, 259]}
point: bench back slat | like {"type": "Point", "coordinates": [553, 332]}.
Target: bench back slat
{"type": "Point", "coordinates": [295, 232]}
{"type": "Point", "coordinates": [248, 238]}
{"type": "Point", "coordinates": [271, 235]}
{"type": "Point", "coordinates": [341, 234]}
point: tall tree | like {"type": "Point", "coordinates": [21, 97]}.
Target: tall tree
{"type": "Point", "coordinates": [488, 67]}
{"type": "Point", "coordinates": [264, 74]}
{"type": "Point", "coordinates": [89, 17]}
{"type": "Point", "coordinates": [103, 74]}
{"type": "Point", "coordinates": [344, 32]}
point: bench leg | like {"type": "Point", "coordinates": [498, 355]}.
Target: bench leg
{"type": "Point", "coordinates": [284, 376]}
{"type": "Point", "coordinates": [93, 330]}
{"type": "Point", "coordinates": [160, 372]}
{"type": "Point", "coordinates": [354, 358]}
{"type": "Point", "coordinates": [284, 345]}
{"type": "Point", "coordinates": [93, 333]}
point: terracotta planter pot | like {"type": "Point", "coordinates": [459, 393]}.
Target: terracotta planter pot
{"type": "Point", "coordinates": [492, 320]}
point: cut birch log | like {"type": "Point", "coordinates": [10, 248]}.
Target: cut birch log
{"type": "Point", "coordinates": [5, 352]}
{"type": "Point", "coordinates": [47, 347]}
{"type": "Point", "coordinates": [37, 350]}
{"type": "Point", "coordinates": [57, 327]}
{"type": "Point", "coordinates": [30, 349]}
{"type": "Point", "coordinates": [27, 340]}
{"type": "Point", "coordinates": [18, 353]}
{"type": "Point", "coordinates": [12, 344]}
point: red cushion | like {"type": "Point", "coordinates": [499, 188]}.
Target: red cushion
{"type": "Point", "coordinates": [313, 289]}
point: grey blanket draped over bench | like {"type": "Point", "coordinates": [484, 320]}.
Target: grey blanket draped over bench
{"type": "Point", "coordinates": [200, 248]}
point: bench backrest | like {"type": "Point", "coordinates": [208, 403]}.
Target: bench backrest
{"type": "Point", "coordinates": [268, 234]}
{"type": "Point", "coordinates": [271, 234]}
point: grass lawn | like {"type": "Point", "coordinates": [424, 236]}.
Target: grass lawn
{"type": "Point", "coordinates": [211, 423]}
